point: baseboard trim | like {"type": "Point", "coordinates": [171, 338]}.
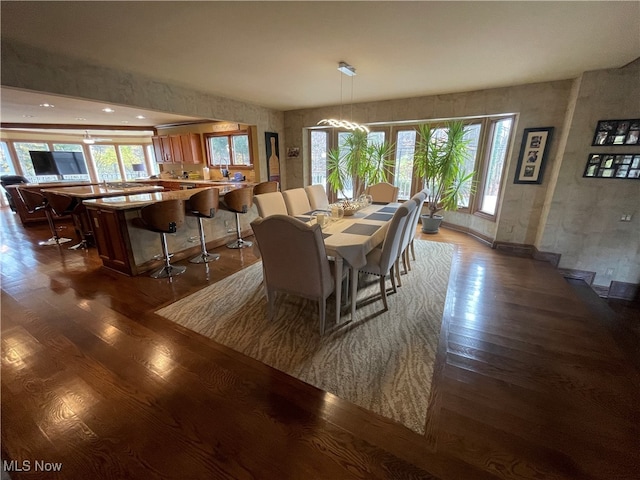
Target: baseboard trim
{"type": "Point", "coordinates": [584, 275]}
{"type": "Point", "coordinates": [617, 290]}
{"type": "Point", "coordinates": [478, 236]}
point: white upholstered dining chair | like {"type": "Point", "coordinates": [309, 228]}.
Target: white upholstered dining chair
{"type": "Point", "coordinates": [296, 201]}
{"type": "Point", "coordinates": [294, 261]}
{"type": "Point", "coordinates": [270, 204]}
{"type": "Point", "coordinates": [317, 197]}
{"type": "Point", "coordinates": [381, 261]}
{"type": "Point", "coordinates": [383, 192]}
{"type": "Point", "coordinates": [409, 233]}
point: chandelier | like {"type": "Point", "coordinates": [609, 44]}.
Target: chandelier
{"type": "Point", "coordinates": [349, 71]}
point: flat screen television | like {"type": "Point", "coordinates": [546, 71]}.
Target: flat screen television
{"type": "Point", "coordinates": [43, 163]}
{"type": "Point", "coordinates": [70, 163]}
{"type": "Point", "coordinates": [58, 163]}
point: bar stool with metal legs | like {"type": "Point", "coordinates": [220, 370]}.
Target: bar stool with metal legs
{"type": "Point", "coordinates": [36, 201]}
{"type": "Point", "coordinates": [164, 217]}
{"type": "Point", "coordinates": [203, 205]}
{"type": "Point", "coordinates": [63, 205]}
{"type": "Point", "coordinates": [239, 201]}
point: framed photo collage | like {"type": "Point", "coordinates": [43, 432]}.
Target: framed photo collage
{"type": "Point", "coordinates": [615, 165]}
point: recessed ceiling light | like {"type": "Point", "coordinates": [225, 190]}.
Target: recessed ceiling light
{"type": "Point", "coordinates": [47, 105]}
{"type": "Point", "coordinates": [81, 119]}
{"type": "Point", "coordinates": [124, 121]}
{"type": "Point", "coordinates": [27, 116]}
{"type": "Point", "coordinates": [108, 110]}
{"type": "Point", "coordinates": [140, 117]}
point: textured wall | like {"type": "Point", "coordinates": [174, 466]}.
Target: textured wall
{"type": "Point", "coordinates": [33, 69]}
{"type": "Point", "coordinates": [537, 105]}
{"type": "Point", "coordinates": [583, 218]}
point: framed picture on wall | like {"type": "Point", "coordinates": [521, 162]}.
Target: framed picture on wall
{"type": "Point", "coordinates": [617, 132]}
{"type": "Point", "coordinates": [533, 155]}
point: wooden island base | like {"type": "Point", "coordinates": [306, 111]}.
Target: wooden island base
{"type": "Point", "coordinates": [132, 250]}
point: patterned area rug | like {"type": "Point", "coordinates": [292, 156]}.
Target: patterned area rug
{"type": "Point", "coordinates": [383, 361]}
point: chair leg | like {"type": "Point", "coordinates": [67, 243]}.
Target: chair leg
{"type": "Point", "coordinates": [239, 243]}
{"type": "Point", "coordinates": [393, 280]}
{"type": "Point", "coordinates": [322, 309]}
{"type": "Point", "coordinates": [168, 270]}
{"type": "Point", "coordinates": [55, 239]}
{"type": "Point", "coordinates": [383, 291]}
{"type": "Point", "coordinates": [413, 251]}
{"type": "Point", "coordinates": [397, 269]}
{"type": "Point", "coordinates": [204, 256]}
{"type": "Point", "coordinates": [407, 261]}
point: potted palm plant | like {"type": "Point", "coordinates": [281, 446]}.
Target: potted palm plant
{"type": "Point", "coordinates": [356, 164]}
{"type": "Point", "coordinates": [439, 160]}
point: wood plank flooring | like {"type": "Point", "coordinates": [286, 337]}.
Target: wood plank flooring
{"type": "Point", "coordinates": [532, 381]}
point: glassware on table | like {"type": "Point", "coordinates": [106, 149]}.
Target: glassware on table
{"type": "Point", "coordinates": [337, 212]}
{"type": "Point", "coordinates": [321, 217]}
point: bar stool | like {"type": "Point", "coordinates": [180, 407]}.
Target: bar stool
{"type": "Point", "coordinates": [164, 217]}
{"type": "Point", "coordinates": [265, 187]}
{"type": "Point", "coordinates": [63, 205]}
{"type": "Point", "coordinates": [239, 201]}
{"type": "Point", "coordinates": [203, 205]}
{"type": "Point", "coordinates": [36, 201]}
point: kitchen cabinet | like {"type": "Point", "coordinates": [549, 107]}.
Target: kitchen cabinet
{"type": "Point", "coordinates": [178, 148]}
{"type": "Point", "coordinates": [111, 237]}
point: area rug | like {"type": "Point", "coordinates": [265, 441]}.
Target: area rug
{"type": "Point", "coordinates": [383, 361]}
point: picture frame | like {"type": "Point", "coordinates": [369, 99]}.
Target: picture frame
{"type": "Point", "coordinates": [613, 166]}
{"type": "Point", "coordinates": [533, 155]}
{"type": "Point", "coordinates": [617, 133]}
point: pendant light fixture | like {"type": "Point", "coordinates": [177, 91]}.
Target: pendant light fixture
{"type": "Point", "coordinates": [349, 71]}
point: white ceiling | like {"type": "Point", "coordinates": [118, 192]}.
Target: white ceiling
{"type": "Point", "coordinates": [284, 55]}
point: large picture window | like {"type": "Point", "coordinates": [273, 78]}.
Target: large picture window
{"type": "Point", "coordinates": [488, 139]}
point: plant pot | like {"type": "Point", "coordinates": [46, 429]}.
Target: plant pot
{"type": "Point", "coordinates": [430, 224]}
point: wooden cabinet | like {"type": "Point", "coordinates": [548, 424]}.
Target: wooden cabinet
{"type": "Point", "coordinates": [111, 238]}
{"type": "Point", "coordinates": [182, 148]}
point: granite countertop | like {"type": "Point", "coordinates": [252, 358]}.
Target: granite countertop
{"type": "Point", "coordinates": [95, 191]}
{"type": "Point", "coordinates": [131, 202]}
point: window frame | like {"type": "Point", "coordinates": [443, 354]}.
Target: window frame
{"type": "Point", "coordinates": [481, 164]}
{"type": "Point", "coordinates": [229, 135]}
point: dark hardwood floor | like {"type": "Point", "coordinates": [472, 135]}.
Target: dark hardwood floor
{"type": "Point", "coordinates": [532, 381]}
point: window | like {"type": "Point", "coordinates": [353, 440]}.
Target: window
{"type": "Point", "coordinates": [106, 162]}
{"type": "Point", "coordinates": [132, 157]}
{"type": "Point", "coordinates": [403, 176]}
{"type": "Point", "coordinates": [489, 139]}
{"type": "Point", "coordinates": [490, 189]}
{"type": "Point", "coordinates": [229, 149]}
{"type": "Point", "coordinates": [72, 147]}
{"type": "Point", "coordinates": [319, 147]}
{"type": "Point", "coordinates": [22, 151]}
{"type": "Point", "coordinates": [6, 165]}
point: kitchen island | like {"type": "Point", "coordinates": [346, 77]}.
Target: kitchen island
{"type": "Point", "coordinates": [128, 248]}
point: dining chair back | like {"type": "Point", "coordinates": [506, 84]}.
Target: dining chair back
{"type": "Point", "coordinates": [383, 192]}
{"type": "Point", "coordinates": [270, 204]}
{"type": "Point", "coordinates": [381, 261]}
{"type": "Point", "coordinates": [317, 197]}
{"type": "Point", "coordinates": [415, 206]}
{"type": "Point", "coordinates": [296, 201]}
{"type": "Point", "coordinates": [294, 261]}
{"type": "Point", "coordinates": [265, 187]}
{"type": "Point", "coordinates": [239, 201]}
{"type": "Point", "coordinates": [202, 205]}
{"type": "Point", "coordinates": [35, 201]}
{"type": "Point", "coordinates": [164, 217]}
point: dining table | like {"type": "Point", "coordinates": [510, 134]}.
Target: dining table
{"type": "Point", "coordinates": [349, 239]}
